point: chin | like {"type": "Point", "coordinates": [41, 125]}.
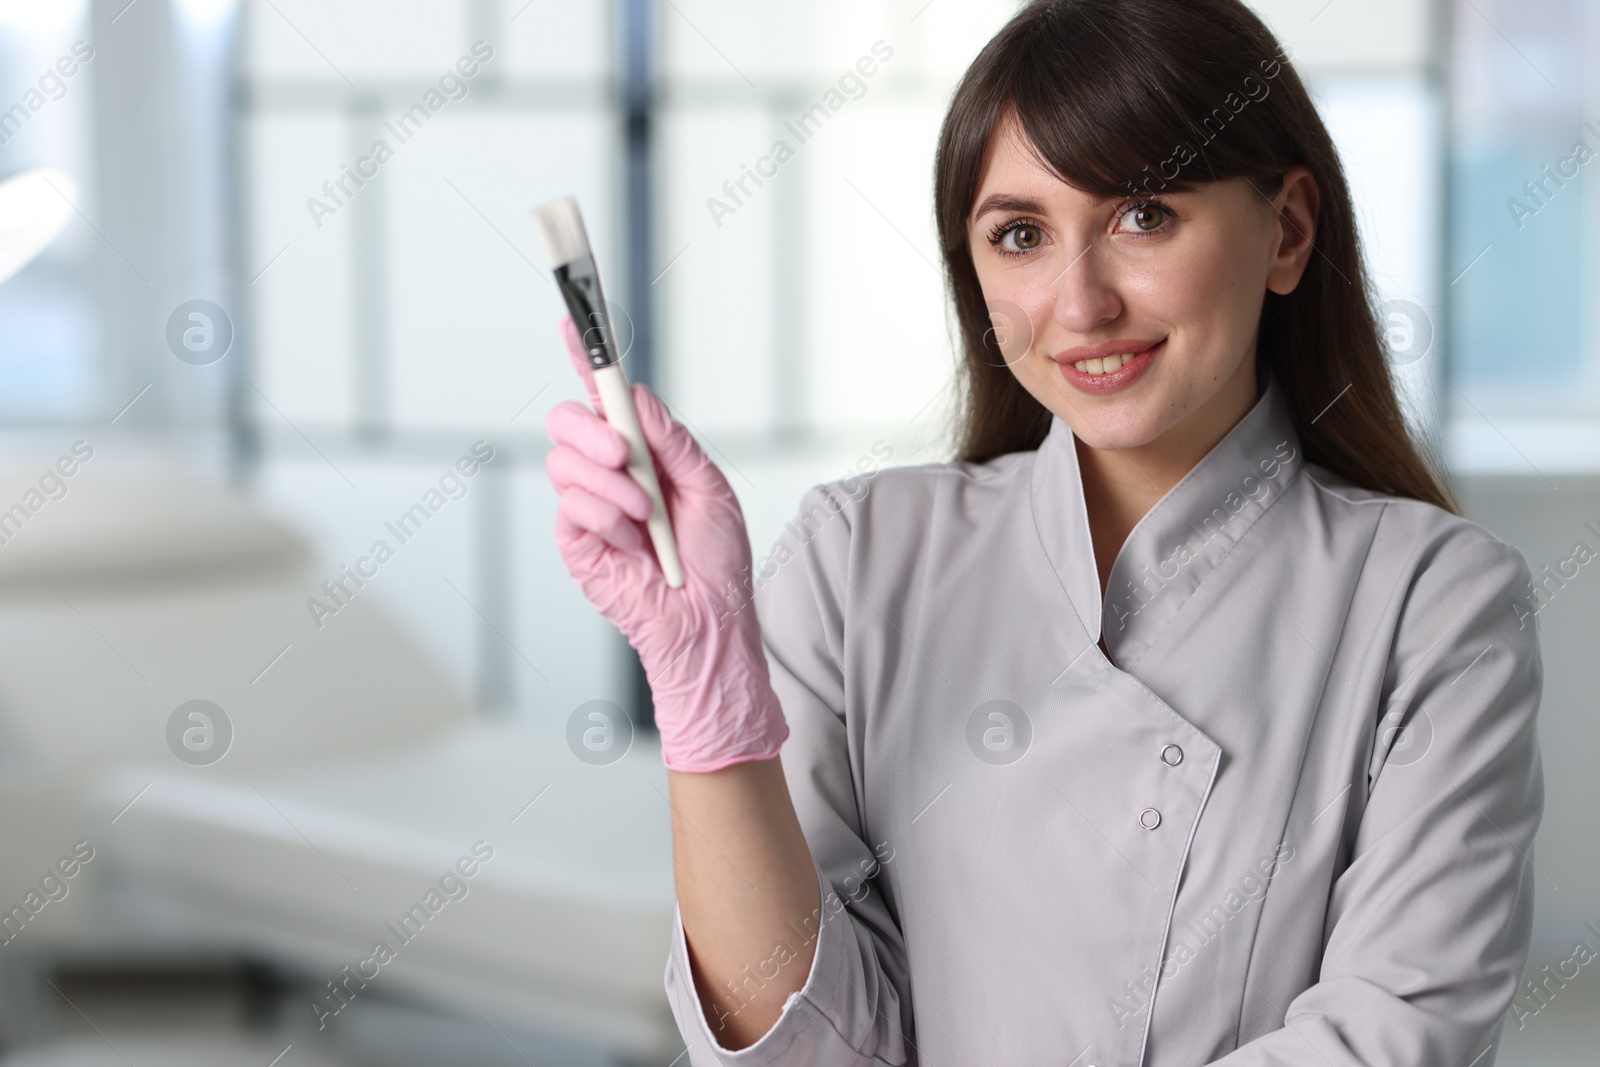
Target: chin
{"type": "Point", "coordinates": [1105, 438]}
{"type": "Point", "coordinates": [1120, 422]}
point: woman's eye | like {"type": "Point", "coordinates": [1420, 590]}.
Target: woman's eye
{"type": "Point", "coordinates": [1146, 218]}
{"type": "Point", "coordinates": [1022, 238]}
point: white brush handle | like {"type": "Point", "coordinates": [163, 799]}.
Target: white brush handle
{"type": "Point", "coordinates": [612, 385]}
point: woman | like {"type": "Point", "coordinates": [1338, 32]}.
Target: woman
{"type": "Point", "coordinates": [1182, 719]}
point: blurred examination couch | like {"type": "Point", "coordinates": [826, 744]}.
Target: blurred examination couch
{"type": "Point", "coordinates": [355, 778]}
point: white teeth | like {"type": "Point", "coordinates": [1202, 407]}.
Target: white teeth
{"type": "Point", "coordinates": [1102, 366]}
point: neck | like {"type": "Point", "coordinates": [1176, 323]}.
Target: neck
{"type": "Point", "coordinates": [1121, 484]}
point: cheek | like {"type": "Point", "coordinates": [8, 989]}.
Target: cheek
{"type": "Point", "coordinates": [1203, 292]}
{"type": "Point", "coordinates": [1180, 287]}
{"type": "Point", "coordinates": [1034, 304]}
{"type": "Point", "coordinates": [1020, 305]}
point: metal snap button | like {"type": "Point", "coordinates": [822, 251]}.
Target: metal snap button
{"type": "Point", "coordinates": [1149, 818]}
{"type": "Point", "coordinates": [1171, 755]}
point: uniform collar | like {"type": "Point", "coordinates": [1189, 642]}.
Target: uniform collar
{"type": "Point", "coordinates": [1179, 541]}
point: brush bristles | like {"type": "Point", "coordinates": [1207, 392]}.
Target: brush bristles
{"type": "Point", "coordinates": [560, 226]}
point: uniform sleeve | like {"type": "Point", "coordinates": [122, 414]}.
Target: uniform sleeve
{"type": "Point", "coordinates": [855, 1007]}
{"type": "Point", "coordinates": [1428, 925]}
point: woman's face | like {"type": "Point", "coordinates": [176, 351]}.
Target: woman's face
{"type": "Point", "coordinates": [1168, 286]}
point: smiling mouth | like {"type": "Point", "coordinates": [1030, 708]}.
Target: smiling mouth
{"type": "Point", "coordinates": [1109, 362]}
{"type": "Point", "coordinates": [1104, 366]}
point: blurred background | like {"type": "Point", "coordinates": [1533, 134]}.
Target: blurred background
{"type": "Point", "coordinates": [241, 744]}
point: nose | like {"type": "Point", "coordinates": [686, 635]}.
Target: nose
{"type": "Point", "coordinates": [1085, 291]}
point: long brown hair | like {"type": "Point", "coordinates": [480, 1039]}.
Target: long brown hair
{"type": "Point", "coordinates": [1133, 97]}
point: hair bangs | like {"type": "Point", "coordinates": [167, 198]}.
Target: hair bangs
{"type": "Point", "coordinates": [1093, 126]}
{"type": "Point", "coordinates": [1113, 101]}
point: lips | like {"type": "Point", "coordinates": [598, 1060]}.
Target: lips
{"type": "Point", "coordinates": [1129, 361]}
{"type": "Point", "coordinates": [1105, 350]}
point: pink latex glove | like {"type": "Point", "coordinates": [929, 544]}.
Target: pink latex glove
{"type": "Point", "coordinates": [714, 703]}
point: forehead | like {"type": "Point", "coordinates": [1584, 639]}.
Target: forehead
{"type": "Point", "coordinates": [1013, 170]}
{"type": "Point", "coordinates": [1010, 157]}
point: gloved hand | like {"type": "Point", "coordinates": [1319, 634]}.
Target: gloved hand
{"type": "Point", "coordinates": [714, 702]}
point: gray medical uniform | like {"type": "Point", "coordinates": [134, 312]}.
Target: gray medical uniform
{"type": "Point", "coordinates": [1288, 821]}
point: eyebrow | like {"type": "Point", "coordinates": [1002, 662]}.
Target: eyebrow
{"type": "Point", "coordinates": [1005, 202]}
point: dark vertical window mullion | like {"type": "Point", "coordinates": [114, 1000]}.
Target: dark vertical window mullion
{"type": "Point", "coordinates": [244, 438]}
{"type": "Point", "coordinates": [638, 107]}
{"type": "Point", "coordinates": [636, 25]}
